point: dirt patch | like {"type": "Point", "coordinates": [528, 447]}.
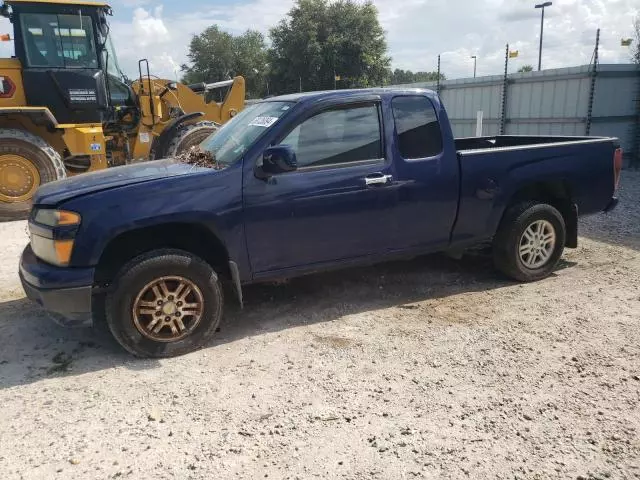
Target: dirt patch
{"type": "Point", "coordinates": [333, 341]}
{"type": "Point", "coordinates": [431, 368]}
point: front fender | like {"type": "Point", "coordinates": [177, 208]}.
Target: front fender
{"type": "Point", "coordinates": [212, 200]}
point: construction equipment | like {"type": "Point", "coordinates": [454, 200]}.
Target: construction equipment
{"type": "Point", "coordinates": [66, 108]}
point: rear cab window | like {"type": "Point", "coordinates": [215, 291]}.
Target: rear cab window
{"type": "Point", "coordinates": [417, 127]}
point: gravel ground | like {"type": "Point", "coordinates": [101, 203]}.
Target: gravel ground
{"type": "Point", "coordinates": [431, 368]}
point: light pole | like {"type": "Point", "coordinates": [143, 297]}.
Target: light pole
{"type": "Point", "coordinates": [542, 6]}
{"type": "Point", "coordinates": [475, 64]}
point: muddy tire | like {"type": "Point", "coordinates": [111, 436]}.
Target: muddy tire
{"type": "Point", "coordinates": [26, 162]}
{"type": "Point", "coordinates": [164, 303]}
{"type": "Point", "coordinates": [189, 136]}
{"type": "Point", "coordinates": [529, 242]}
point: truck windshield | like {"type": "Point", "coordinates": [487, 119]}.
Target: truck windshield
{"type": "Point", "coordinates": [236, 136]}
{"type": "Point", "coordinates": [64, 41]}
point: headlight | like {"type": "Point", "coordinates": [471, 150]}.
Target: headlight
{"type": "Point", "coordinates": [56, 218]}
{"type": "Point", "coordinates": [55, 252]}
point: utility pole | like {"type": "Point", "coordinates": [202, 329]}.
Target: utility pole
{"type": "Point", "coordinates": [542, 6]}
{"type": "Point", "coordinates": [592, 89]}
{"type": "Point", "coordinates": [505, 86]}
{"type": "Point", "coordinates": [475, 64]}
{"type": "Point", "coordinates": [300, 84]}
{"type": "Point", "coordinates": [438, 79]}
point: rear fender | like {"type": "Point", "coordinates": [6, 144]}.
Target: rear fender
{"type": "Point", "coordinates": [553, 192]}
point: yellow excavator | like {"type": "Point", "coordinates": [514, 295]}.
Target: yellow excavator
{"type": "Point", "coordinates": [66, 108]}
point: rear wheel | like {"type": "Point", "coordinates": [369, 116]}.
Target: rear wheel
{"type": "Point", "coordinates": [26, 162]}
{"type": "Point", "coordinates": [190, 136]}
{"type": "Point", "coordinates": [165, 303]}
{"type": "Point", "coordinates": [529, 241]}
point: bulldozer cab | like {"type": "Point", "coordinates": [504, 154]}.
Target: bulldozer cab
{"type": "Point", "coordinates": [66, 108]}
{"type": "Point", "coordinates": [68, 63]}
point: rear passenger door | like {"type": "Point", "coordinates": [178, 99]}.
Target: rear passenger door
{"type": "Point", "coordinates": [338, 204]}
{"type": "Point", "coordinates": [427, 174]}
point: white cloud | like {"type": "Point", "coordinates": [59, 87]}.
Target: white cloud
{"type": "Point", "coordinates": [165, 41]}
{"type": "Point", "coordinates": [134, 3]}
{"type": "Point", "coordinates": [460, 28]}
{"type": "Point", "coordinates": [416, 33]}
{"type": "Point", "coordinates": [6, 48]}
{"type": "Point", "coordinates": [149, 28]}
{"type": "Point", "coordinates": [147, 36]}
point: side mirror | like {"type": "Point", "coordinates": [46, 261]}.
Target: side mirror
{"type": "Point", "coordinates": [275, 160]}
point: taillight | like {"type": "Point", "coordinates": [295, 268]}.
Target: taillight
{"type": "Point", "coordinates": [617, 167]}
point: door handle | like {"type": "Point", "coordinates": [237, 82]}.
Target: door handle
{"type": "Point", "coordinates": [378, 179]}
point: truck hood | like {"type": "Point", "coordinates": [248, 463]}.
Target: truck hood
{"type": "Point", "coordinates": [57, 192]}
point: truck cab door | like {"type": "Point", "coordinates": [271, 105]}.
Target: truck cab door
{"type": "Point", "coordinates": [427, 173]}
{"type": "Point", "coordinates": [338, 204]}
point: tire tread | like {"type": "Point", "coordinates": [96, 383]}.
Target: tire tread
{"type": "Point", "coordinates": [137, 266]}
{"type": "Point", "coordinates": [508, 235]}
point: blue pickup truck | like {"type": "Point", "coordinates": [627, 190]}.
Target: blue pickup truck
{"type": "Point", "coordinates": [303, 183]}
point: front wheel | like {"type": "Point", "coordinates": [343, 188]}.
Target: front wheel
{"type": "Point", "coordinates": [529, 242]}
{"type": "Point", "coordinates": [26, 162]}
{"type": "Point", "coordinates": [188, 136]}
{"type": "Point", "coordinates": [165, 303]}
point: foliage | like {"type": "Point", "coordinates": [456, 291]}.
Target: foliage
{"type": "Point", "coordinates": [525, 68]}
{"type": "Point", "coordinates": [399, 77]}
{"type": "Point", "coordinates": [636, 41]}
{"type": "Point", "coordinates": [216, 55]}
{"type": "Point", "coordinates": [319, 39]}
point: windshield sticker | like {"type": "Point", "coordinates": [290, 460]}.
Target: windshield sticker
{"type": "Point", "coordinates": [285, 108]}
{"type": "Point", "coordinates": [265, 122]}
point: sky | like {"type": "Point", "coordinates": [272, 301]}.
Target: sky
{"type": "Point", "coordinates": [417, 31]}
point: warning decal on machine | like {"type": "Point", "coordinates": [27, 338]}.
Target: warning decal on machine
{"type": "Point", "coordinates": [7, 87]}
{"type": "Point", "coordinates": [263, 121]}
{"type": "Point", "coordinates": [82, 95]}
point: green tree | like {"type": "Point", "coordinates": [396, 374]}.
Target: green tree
{"type": "Point", "coordinates": [319, 39]}
{"type": "Point", "coordinates": [216, 55]}
{"type": "Point", "coordinates": [399, 77]}
{"type": "Point", "coordinates": [525, 68]}
{"type": "Point", "coordinates": [428, 76]}
{"type": "Point", "coordinates": [636, 41]}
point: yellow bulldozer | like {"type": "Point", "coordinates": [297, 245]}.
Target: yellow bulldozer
{"type": "Point", "coordinates": [66, 108]}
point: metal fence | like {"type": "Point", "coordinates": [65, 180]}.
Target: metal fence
{"type": "Point", "coordinates": [565, 101]}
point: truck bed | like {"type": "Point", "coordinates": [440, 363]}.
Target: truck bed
{"type": "Point", "coordinates": [493, 169]}
{"type": "Point", "coordinates": [507, 141]}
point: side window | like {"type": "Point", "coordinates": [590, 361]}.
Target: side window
{"type": "Point", "coordinates": [337, 136]}
{"type": "Point", "coordinates": [417, 126]}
